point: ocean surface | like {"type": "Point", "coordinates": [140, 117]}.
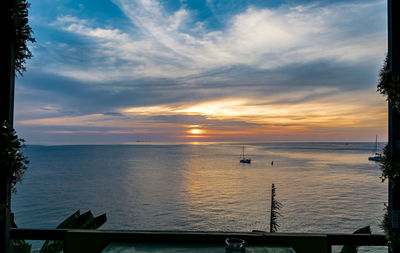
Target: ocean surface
{"type": "Point", "coordinates": [323, 187]}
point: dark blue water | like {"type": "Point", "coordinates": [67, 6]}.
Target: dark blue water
{"type": "Point", "coordinates": [323, 187]}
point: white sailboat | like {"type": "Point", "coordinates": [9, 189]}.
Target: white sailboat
{"type": "Point", "coordinates": [376, 155]}
{"type": "Point", "coordinates": [243, 158]}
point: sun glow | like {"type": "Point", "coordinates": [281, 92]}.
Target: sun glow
{"type": "Point", "coordinates": [236, 118]}
{"type": "Point", "coordinates": [195, 131]}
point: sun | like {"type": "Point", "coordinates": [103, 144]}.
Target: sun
{"type": "Point", "coordinates": [195, 131]}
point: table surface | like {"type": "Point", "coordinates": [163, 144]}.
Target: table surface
{"type": "Point", "coordinates": [170, 248]}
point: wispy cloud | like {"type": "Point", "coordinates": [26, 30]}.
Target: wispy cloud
{"type": "Point", "coordinates": [287, 70]}
{"type": "Point", "coordinates": [164, 46]}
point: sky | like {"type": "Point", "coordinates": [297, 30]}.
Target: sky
{"type": "Point", "coordinates": [128, 71]}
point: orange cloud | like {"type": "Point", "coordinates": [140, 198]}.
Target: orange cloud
{"type": "Point", "coordinates": [344, 115]}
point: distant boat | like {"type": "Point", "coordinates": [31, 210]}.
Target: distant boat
{"type": "Point", "coordinates": [243, 158]}
{"type": "Point", "coordinates": [376, 155]}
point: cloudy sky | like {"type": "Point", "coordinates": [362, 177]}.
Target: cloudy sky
{"type": "Point", "coordinates": [123, 71]}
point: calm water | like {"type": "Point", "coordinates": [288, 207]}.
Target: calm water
{"type": "Point", "coordinates": [323, 187]}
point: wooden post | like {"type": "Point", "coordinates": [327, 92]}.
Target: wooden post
{"type": "Point", "coordinates": [394, 115]}
{"type": "Point", "coordinates": [6, 114]}
{"type": "Point", "coordinates": [271, 215]}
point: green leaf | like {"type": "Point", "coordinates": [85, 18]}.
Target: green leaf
{"type": "Point", "coordinates": [364, 230]}
{"type": "Point", "coordinates": [51, 246]}
{"type": "Point", "coordinates": [354, 248]}
{"type": "Point", "coordinates": [84, 220]}
{"type": "Point", "coordinates": [75, 221]}
{"type": "Point", "coordinates": [70, 221]}
{"type": "Point", "coordinates": [99, 221]}
{"type": "Point", "coordinates": [21, 246]}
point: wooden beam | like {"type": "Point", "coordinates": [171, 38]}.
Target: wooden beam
{"type": "Point", "coordinates": [6, 114]}
{"type": "Point", "coordinates": [7, 69]}
{"type": "Point", "coordinates": [394, 115]}
{"type": "Point", "coordinates": [95, 240]}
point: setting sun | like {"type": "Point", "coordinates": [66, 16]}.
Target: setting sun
{"type": "Point", "coordinates": [195, 131]}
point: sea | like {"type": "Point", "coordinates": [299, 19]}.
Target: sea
{"type": "Point", "coordinates": [322, 187]}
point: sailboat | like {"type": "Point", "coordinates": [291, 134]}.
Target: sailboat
{"type": "Point", "coordinates": [243, 158]}
{"type": "Point", "coordinates": [376, 156]}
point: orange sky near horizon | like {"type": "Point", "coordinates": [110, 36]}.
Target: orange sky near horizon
{"type": "Point", "coordinates": [348, 118]}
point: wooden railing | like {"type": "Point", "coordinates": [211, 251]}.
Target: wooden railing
{"type": "Point", "coordinates": [94, 241]}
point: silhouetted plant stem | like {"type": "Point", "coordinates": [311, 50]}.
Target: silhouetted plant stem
{"type": "Point", "coordinates": [275, 206]}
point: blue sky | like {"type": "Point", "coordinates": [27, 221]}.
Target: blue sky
{"type": "Point", "coordinates": [144, 70]}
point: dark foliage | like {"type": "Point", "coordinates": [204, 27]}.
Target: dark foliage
{"type": "Point", "coordinates": [11, 157]}
{"type": "Point", "coordinates": [387, 87]}
{"type": "Point", "coordinates": [275, 206]}
{"type": "Point", "coordinates": [390, 169]}
{"type": "Point", "coordinates": [351, 248]}
{"type": "Point", "coordinates": [22, 34]}
{"type": "Point", "coordinates": [19, 245]}
{"type": "Point", "coordinates": [386, 226]}
{"type": "Point", "coordinates": [75, 221]}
